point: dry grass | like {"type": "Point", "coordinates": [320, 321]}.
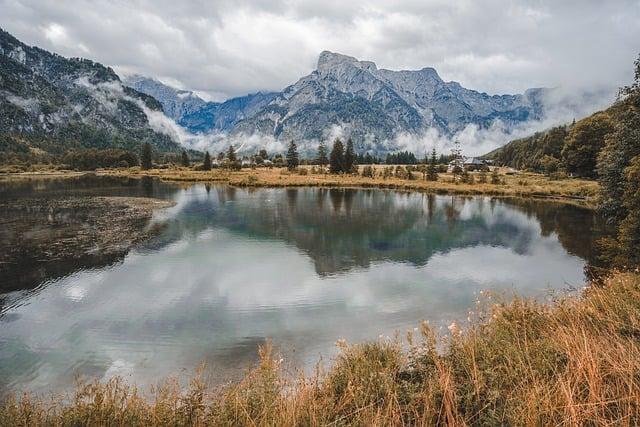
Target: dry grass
{"type": "Point", "coordinates": [523, 185]}
{"type": "Point", "coordinates": [518, 363]}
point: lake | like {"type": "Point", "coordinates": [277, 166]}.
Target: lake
{"type": "Point", "coordinates": [231, 267]}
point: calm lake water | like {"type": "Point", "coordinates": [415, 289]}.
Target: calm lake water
{"type": "Point", "coordinates": [304, 267]}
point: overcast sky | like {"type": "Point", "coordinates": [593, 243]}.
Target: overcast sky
{"type": "Point", "coordinates": [226, 48]}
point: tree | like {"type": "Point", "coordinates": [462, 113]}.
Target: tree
{"type": "Point", "coordinates": [432, 167]}
{"type": "Point", "coordinates": [336, 158]}
{"type": "Point", "coordinates": [622, 145]}
{"type": "Point", "coordinates": [231, 154]}
{"type": "Point", "coordinates": [456, 153]}
{"type": "Point", "coordinates": [349, 157]}
{"type": "Point", "coordinates": [583, 144]}
{"type": "Point", "coordinates": [322, 155]}
{"type": "Point", "coordinates": [206, 165]}
{"type": "Point", "coordinates": [292, 156]}
{"type": "Point", "coordinates": [263, 154]}
{"type": "Point", "coordinates": [185, 159]}
{"type": "Point", "coordinates": [146, 157]}
{"type": "Point", "coordinates": [629, 230]}
{"type": "Point", "coordinates": [550, 165]}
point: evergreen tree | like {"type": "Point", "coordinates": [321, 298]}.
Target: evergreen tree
{"type": "Point", "coordinates": [292, 156]}
{"type": "Point", "coordinates": [336, 158]}
{"type": "Point", "coordinates": [146, 157]}
{"type": "Point", "coordinates": [206, 165]}
{"type": "Point", "coordinates": [322, 155]}
{"type": "Point", "coordinates": [349, 157]}
{"type": "Point", "coordinates": [185, 159]}
{"type": "Point", "coordinates": [432, 167]}
{"type": "Point", "coordinates": [263, 154]}
{"type": "Point", "coordinates": [231, 154]}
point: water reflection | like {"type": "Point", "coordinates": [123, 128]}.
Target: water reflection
{"type": "Point", "coordinates": [302, 266]}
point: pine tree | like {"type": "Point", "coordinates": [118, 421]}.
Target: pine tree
{"type": "Point", "coordinates": [185, 159]}
{"type": "Point", "coordinates": [146, 157]}
{"type": "Point", "coordinates": [336, 158]}
{"type": "Point", "coordinates": [231, 154]}
{"type": "Point", "coordinates": [206, 165]}
{"type": "Point", "coordinates": [322, 155]}
{"type": "Point", "coordinates": [292, 156]}
{"type": "Point", "coordinates": [432, 167]}
{"type": "Point", "coordinates": [349, 157]}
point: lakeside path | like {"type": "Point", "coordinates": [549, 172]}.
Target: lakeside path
{"type": "Point", "coordinates": [573, 190]}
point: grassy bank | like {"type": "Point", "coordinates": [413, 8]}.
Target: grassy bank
{"type": "Point", "coordinates": [523, 184]}
{"type": "Point", "coordinates": [518, 363]}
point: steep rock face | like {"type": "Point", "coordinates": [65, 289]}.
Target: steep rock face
{"type": "Point", "coordinates": [53, 103]}
{"type": "Point", "coordinates": [224, 116]}
{"type": "Point", "coordinates": [176, 103]}
{"type": "Point", "coordinates": [378, 103]}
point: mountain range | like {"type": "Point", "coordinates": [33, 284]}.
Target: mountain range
{"type": "Point", "coordinates": [355, 95]}
{"type": "Point", "coordinates": [53, 104]}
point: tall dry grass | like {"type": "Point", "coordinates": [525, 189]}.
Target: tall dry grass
{"type": "Point", "coordinates": [521, 362]}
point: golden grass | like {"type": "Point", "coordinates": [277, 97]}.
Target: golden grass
{"type": "Point", "coordinates": [576, 362]}
{"type": "Point", "coordinates": [522, 185]}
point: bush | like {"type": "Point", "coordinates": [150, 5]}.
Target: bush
{"type": "Point", "coordinates": [367, 171]}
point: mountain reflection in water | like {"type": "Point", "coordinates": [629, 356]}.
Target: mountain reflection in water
{"type": "Point", "coordinates": [303, 266]}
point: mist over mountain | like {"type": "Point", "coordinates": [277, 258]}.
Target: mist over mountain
{"type": "Point", "coordinates": [53, 104]}
{"type": "Point", "coordinates": [380, 109]}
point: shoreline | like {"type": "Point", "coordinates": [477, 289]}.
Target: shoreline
{"type": "Point", "coordinates": [525, 185]}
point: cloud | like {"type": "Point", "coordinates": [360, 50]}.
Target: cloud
{"type": "Point", "coordinates": [230, 48]}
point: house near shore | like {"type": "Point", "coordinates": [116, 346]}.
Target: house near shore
{"type": "Point", "coordinates": [469, 164]}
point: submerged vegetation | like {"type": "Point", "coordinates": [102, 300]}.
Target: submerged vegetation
{"type": "Point", "coordinates": [576, 362]}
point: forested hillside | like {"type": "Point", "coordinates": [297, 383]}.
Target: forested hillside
{"type": "Point", "coordinates": [50, 105]}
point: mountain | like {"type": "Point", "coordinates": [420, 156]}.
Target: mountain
{"type": "Point", "coordinates": [194, 113]}
{"type": "Point", "coordinates": [366, 102]}
{"type": "Point", "coordinates": [224, 116]}
{"type": "Point", "coordinates": [371, 102]}
{"type": "Point", "coordinates": [49, 103]}
{"type": "Point", "coordinates": [176, 103]}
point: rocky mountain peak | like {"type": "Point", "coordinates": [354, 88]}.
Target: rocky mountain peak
{"type": "Point", "coordinates": [329, 60]}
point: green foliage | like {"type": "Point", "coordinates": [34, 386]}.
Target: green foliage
{"type": "Point", "coordinates": [622, 145]}
{"type": "Point", "coordinates": [432, 167]}
{"type": "Point", "coordinates": [527, 153]}
{"type": "Point", "coordinates": [206, 164]}
{"type": "Point", "coordinates": [349, 157]}
{"type": "Point", "coordinates": [401, 158]}
{"type": "Point", "coordinates": [336, 158]}
{"type": "Point", "coordinates": [184, 159]}
{"type": "Point", "coordinates": [231, 154]}
{"type": "Point", "coordinates": [292, 156]}
{"type": "Point", "coordinates": [322, 159]}
{"type": "Point", "coordinates": [550, 165]}
{"type": "Point", "coordinates": [629, 230]}
{"type": "Point", "coordinates": [91, 159]}
{"type": "Point", "coordinates": [146, 157]}
{"type": "Point", "coordinates": [583, 144]}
